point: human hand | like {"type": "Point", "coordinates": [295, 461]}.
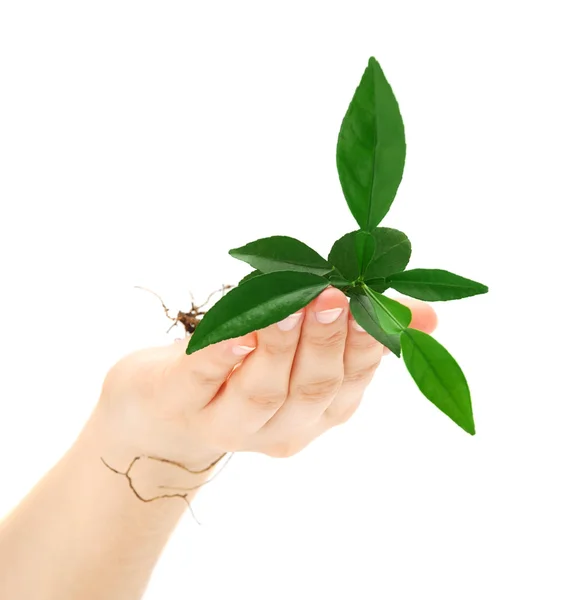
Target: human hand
{"type": "Point", "coordinates": [294, 385]}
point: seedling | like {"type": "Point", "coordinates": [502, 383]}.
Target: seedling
{"type": "Point", "coordinates": [364, 263]}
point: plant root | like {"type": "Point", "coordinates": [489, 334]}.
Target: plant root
{"type": "Point", "coordinates": [183, 496]}
{"type": "Point", "coordinates": [191, 318]}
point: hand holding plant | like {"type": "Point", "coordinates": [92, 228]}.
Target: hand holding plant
{"type": "Point", "coordinates": [362, 264]}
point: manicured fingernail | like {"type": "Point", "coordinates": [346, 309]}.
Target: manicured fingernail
{"type": "Point", "coordinates": [328, 316]}
{"type": "Point", "coordinates": [242, 350]}
{"type": "Point", "coordinates": [290, 322]}
{"type": "Point", "coordinates": [357, 326]}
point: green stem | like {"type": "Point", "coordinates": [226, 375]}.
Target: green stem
{"type": "Point", "coordinates": [369, 292]}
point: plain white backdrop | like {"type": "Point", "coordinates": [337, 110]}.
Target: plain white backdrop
{"type": "Point", "coordinates": [140, 141]}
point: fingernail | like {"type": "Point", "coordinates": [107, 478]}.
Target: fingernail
{"type": "Point", "coordinates": [357, 326]}
{"type": "Point", "coordinates": [290, 322]}
{"type": "Point", "coordinates": [242, 350]}
{"type": "Point", "coordinates": [328, 316]}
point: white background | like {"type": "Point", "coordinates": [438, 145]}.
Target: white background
{"type": "Point", "coordinates": [140, 141]}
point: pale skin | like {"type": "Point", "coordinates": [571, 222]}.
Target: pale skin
{"type": "Point", "coordinates": [83, 533]}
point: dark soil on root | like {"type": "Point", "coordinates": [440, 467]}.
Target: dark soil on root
{"type": "Point", "coordinates": [191, 318]}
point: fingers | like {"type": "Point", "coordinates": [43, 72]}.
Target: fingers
{"type": "Point", "coordinates": [317, 370]}
{"type": "Point", "coordinates": [255, 392]}
{"type": "Point", "coordinates": [361, 359]}
{"type": "Point", "coordinates": [311, 368]}
{"type": "Point", "coordinates": [199, 376]}
{"type": "Point", "coordinates": [424, 316]}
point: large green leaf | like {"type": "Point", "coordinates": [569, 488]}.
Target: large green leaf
{"type": "Point", "coordinates": [379, 284]}
{"type": "Point", "coordinates": [363, 312]}
{"type": "Point", "coordinates": [438, 376]}
{"type": "Point", "coordinates": [371, 149]}
{"type": "Point", "coordinates": [435, 284]}
{"type": "Point", "coordinates": [249, 276]}
{"type": "Point", "coordinates": [392, 253]}
{"type": "Point", "coordinates": [393, 316]}
{"type": "Point", "coordinates": [255, 304]}
{"type": "Point", "coordinates": [352, 253]}
{"type": "Point", "coordinates": [281, 253]}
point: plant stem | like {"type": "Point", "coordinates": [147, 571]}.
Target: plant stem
{"type": "Point", "coordinates": [371, 293]}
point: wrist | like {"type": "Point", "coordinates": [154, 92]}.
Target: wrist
{"type": "Point", "coordinates": [143, 469]}
{"type": "Point", "coordinates": [99, 537]}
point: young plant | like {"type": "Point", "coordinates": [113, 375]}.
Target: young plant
{"type": "Point", "coordinates": [363, 264]}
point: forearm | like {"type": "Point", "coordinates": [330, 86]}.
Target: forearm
{"type": "Point", "coordinates": [83, 533]}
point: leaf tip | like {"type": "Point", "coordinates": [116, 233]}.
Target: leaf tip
{"type": "Point", "coordinates": [191, 348]}
{"type": "Point", "coordinates": [372, 62]}
{"type": "Point", "coordinates": [469, 427]}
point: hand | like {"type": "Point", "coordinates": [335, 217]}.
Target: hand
{"type": "Point", "coordinates": [295, 380]}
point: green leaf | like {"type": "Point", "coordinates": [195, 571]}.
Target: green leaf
{"type": "Point", "coordinates": [363, 312]}
{"type": "Point", "coordinates": [438, 376]}
{"type": "Point", "coordinates": [250, 276]}
{"type": "Point", "coordinates": [393, 316]}
{"type": "Point", "coordinates": [255, 304]}
{"type": "Point", "coordinates": [379, 284]}
{"type": "Point", "coordinates": [351, 254]}
{"type": "Point", "coordinates": [281, 253]}
{"type": "Point", "coordinates": [371, 148]}
{"type": "Point", "coordinates": [435, 284]}
{"type": "Point", "coordinates": [364, 249]}
{"type": "Point", "coordinates": [392, 253]}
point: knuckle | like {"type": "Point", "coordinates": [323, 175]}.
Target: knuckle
{"type": "Point", "coordinates": [317, 391]}
{"type": "Point", "coordinates": [267, 400]}
{"type": "Point", "coordinates": [146, 382]}
{"type": "Point", "coordinates": [128, 375]}
{"type": "Point", "coordinates": [204, 377]}
{"type": "Point", "coordinates": [363, 374]}
{"type": "Point", "coordinates": [276, 347]}
{"type": "Point", "coordinates": [335, 339]}
{"type": "Point", "coordinates": [366, 342]}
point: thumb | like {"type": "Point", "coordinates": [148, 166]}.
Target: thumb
{"type": "Point", "coordinates": [202, 373]}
